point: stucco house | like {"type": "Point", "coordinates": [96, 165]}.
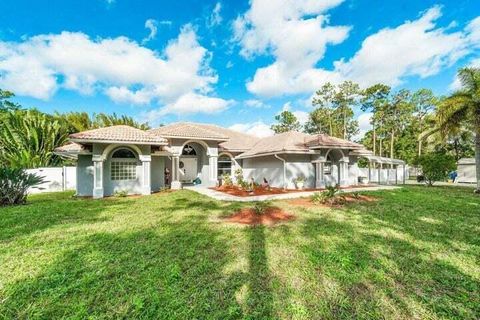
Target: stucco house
{"type": "Point", "coordinates": [466, 171]}
{"type": "Point", "coordinates": [123, 158]}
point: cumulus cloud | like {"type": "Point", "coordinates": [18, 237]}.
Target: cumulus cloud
{"type": "Point", "coordinates": [297, 33]}
{"type": "Point", "coordinates": [152, 25]}
{"type": "Point", "coordinates": [215, 18]}
{"type": "Point", "coordinates": [364, 125]}
{"type": "Point", "coordinates": [255, 103]}
{"type": "Point", "coordinates": [258, 128]}
{"type": "Point", "coordinates": [415, 48]}
{"type": "Point", "coordinates": [118, 67]}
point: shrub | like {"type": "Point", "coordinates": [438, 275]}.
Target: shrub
{"type": "Point", "coordinates": [239, 177]}
{"type": "Point", "coordinates": [14, 184]}
{"type": "Point", "coordinates": [227, 180]}
{"type": "Point", "coordinates": [261, 206]}
{"type": "Point", "coordinates": [121, 193]}
{"type": "Point", "coordinates": [332, 196]}
{"type": "Point", "coordinates": [436, 166]}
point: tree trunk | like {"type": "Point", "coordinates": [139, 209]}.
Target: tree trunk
{"type": "Point", "coordinates": [374, 139]}
{"type": "Point", "coordinates": [392, 141]}
{"type": "Point", "coordinates": [419, 147]}
{"type": "Point", "coordinates": [381, 147]}
{"type": "Point", "coordinates": [477, 154]}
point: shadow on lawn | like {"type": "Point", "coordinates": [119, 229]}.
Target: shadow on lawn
{"type": "Point", "coordinates": [392, 275]}
{"type": "Point", "coordinates": [175, 270]}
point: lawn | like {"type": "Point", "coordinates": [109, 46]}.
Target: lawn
{"type": "Point", "coordinates": [414, 253]}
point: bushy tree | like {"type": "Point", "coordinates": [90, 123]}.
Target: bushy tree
{"type": "Point", "coordinates": [436, 166]}
{"type": "Point", "coordinates": [286, 121]}
{"type": "Point", "coordinates": [14, 185]}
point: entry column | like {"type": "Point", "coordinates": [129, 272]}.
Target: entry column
{"type": "Point", "coordinates": [176, 184]}
{"type": "Point", "coordinates": [319, 174]}
{"type": "Point", "coordinates": [146, 185]}
{"type": "Point", "coordinates": [97, 176]}
{"type": "Point", "coordinates": [213, 166]}
{"type": "Point", "coordinates": [343, 167]}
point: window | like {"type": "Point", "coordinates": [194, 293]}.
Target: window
{"type": "Point", "coordinates": [123, 165]}
{"type": "Point", "coordinates": [327, 169]}
{"type": "Point", "coordinates": [224, 165]}
{"type": "Point", "coordinates": [188, 150]}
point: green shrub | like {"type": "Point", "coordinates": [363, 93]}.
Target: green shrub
{"type": "Point", "coordinates": [436, 166]}
{"type": "Point", "coordinates": [332, 196]}
{"type": "Point", "coordinates": [14, 184]}
{"type": "Point", "coordinates": [121, 193]}
{"type": "Point", "coordinates": [261, 206]}
{"type": "Point", "coordinates": [227, 180]}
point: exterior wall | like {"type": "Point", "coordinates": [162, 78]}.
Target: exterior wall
{"type": "Point", "coordinates": [158, 173]}
{"type": "Point", "coordinates": [84, 176]}
{"type": "Point", "coordinates": [466, 173]}
{"type": "Point", "coordinates": [56, 179]}
{"type": "Point", "coordinates": [271, 168]}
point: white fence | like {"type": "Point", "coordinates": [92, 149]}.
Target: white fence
{"type": "Point", "coordinates": [56, 179]}
{"type": "Point", "coordinates": [387, 176]}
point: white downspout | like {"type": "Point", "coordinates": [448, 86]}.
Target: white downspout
{"type": "Point", "coordinates": [284, 170]}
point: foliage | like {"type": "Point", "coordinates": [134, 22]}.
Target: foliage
{"type": "Point", "coordinates": [28, 139]}
{"type": "Point", "coordinates": [14, 185]}
{"type": "Point", "coordinates": [5, 103]}
{"type": "Point", "coordinates": [239, 177]}
{"type": "Point", "coordinates": [436, 166]}
{"type": "Point", "coordinates": [138, 258]}
{"type": "Point", "coordinates": [286, 121]}
{"type": "Point", "coordinates": [260, 207]}
{"type": "Point", "coordinates": [462, 111]}
{"type": "Point", "coordinates": [81, 121]}
{"type": "Point", "coordinates": [332, 196]}
{"type": "Point", "coordinates": [227, 179]}
{"type": "Point", "coordinates": [334, 113]}
{"type": "Point", "coordinates": [120, 193]}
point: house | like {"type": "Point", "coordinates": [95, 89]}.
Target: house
{"type": "Point", "coordinates": [123, 158]}
{"type": "Point", "coordinates": [466, 171]}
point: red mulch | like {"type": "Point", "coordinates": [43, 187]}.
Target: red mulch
{"type": "Point", "coordinates": [258, 191]}
{"type": "Point", "coordinates": [307, 202]}
{"type": "Point", "coordinates": [270, 216]}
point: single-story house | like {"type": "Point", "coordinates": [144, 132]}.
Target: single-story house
{"type": "Point", "coordinates": [466, 171]}
{"type": "Point", "coordinates": [125, 159]}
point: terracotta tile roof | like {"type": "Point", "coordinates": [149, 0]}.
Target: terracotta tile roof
{"type": "Point", "coordinates": [188, 130]}
{"type": "Point", "coordinates": [118, 133]}
{"type": "Point", "coordinates": [234, 141]}
{"type": "Point", "coordinates": [291, 141]}
{"type": "Point", "coordinates": [70, 147]}
{"type": "Point", "coordinates": [323, 140]}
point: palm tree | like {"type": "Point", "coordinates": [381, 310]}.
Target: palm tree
{"type": "Point", "coordinates": [462, 110]}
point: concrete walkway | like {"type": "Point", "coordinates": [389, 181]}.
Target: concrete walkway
{"type": "Point", "coordinates": [227, 197]}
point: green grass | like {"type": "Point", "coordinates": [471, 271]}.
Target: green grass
{"type": "Point", "coordinates": [413, 254]}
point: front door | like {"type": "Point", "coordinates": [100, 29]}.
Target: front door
{"type": "Point", "coordinates": [188, 169]}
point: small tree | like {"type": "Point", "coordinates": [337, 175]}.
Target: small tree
{"type": "Point", "coordinates": [436, 166]}
{"type": "Point", "coordinates": [14, 185]}
{"type": "Point", "coordinates": [286, 121]}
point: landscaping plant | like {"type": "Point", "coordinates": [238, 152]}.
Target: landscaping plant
{"type": "Point", "coordinates": [14, 184]}
{"type": "Point", "coordinates": [436, 166]}
{"type": "Point", "coordinates": [331, 196]}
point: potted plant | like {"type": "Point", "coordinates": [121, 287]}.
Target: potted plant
{"type": "Point", "coordinates": [299, 182]}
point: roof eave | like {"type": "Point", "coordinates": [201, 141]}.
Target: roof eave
{"type": "Point", "coordinates": [306, 152]}
{"type": "Point", "coordinates": [77, 140]}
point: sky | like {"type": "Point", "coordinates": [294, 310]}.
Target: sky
{"type": "Point", "coordinates": [232, 63]}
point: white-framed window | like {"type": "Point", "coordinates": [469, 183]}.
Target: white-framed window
{"type": "Point", "coordinates": [123, 165]}
{"type": "Point", "coordinates": [224, 165]}
{"type": "Point", "coordinates": [327, 168]}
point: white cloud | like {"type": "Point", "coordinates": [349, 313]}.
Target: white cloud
{"type": "Point", "coordinates": [119, 67]}
{"type": "Point", "coordinates": [364, 125]}
{"type": "Point", "coordinates": [254, 103]}
{"type": "Point", "coordinates": [258, 128]}
{"type": "Point", "coordinates": [215, 18]}
{"type": "Point", "coordinates": [301, 116]}
{"type": "Point", "coordinates": [415, 48]}
{"type": "Point", "coordinates": [152, 25]}
{"type": "Point", "coordinates": [194, 103]}
{"type": "Point", "coordinates": [296, 33]}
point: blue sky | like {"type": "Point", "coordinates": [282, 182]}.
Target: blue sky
{"type": "Point", "coordinates": [233, 63]}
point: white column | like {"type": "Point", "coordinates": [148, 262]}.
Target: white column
{"type": "Point", "coordinates": [320, 176]}
{"type": "Point", "coordinates": [175, 184]}
{"type": "Point", "coordinates": [343, 167]}
{"type": "Point", "coordinates": [213, 167]}
{"type": "Point", "coordinates": [146, 180]}
{"type": "Point", "coordinates": [97, 176]}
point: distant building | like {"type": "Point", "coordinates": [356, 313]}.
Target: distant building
{"type": "Point", "coordinates": [466, 170]}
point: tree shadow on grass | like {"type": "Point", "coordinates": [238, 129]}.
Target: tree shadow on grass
{"type": "Point", "coordinates": [384, 276]}
{"type": "Point", "coordinates": [172, 273]}
{"type": "Point", "coordinates": [50, 210]}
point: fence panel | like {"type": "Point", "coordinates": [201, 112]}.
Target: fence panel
{"type": "Point", "coordinates": [56, 179]}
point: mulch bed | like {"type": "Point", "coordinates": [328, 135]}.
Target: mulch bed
{"type": "Point", "coordinates": [270, 216]}
{"type": "Point", "coordinates": [258, 191]}
{"type": "Point", "coordinates": [307, 202]}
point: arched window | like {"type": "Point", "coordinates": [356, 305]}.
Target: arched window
{"type": "Point", "coordinates": [224, 165]}
{"type": "Point", "coordinates": [123, 165]}
{"type": "Point", "coordinates": [188, 150]}
{"type": "Point", "coordinates": [328, 166]}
